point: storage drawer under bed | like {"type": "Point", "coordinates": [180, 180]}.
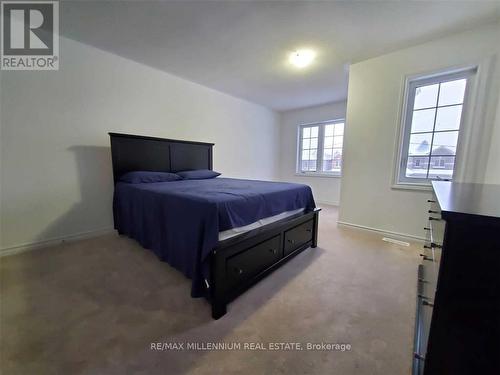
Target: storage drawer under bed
{"type": "Point", "coordinates": [298, 236]}
{"type": "Point", "coordinates": [252, 261]}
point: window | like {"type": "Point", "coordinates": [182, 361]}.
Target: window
{"type": "Point", "coordinates": [431, 127]}
{"type": "Point", "coordinates": [320, 148]}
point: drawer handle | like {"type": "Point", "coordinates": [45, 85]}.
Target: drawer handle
{"type": "Point", "coordinates": [423, 297]}
{"type": "Point", "coordinates": [425, 257]}
{"type": "Point", "coordinates": [309, 230]}
{"type": "Point", "coordinates": [239, 271]}
{"type": "Point", "coordinates": [433, 212]}
{"type": "Point", "coordinates": [430, 201]}
{"type": "Point", "coordinates": [427, 303]}
{"type": "Point", "coordinates": [419, 356]}
{"type": "Point", "coordinates": [291, 241]}
{"type": "Point", "coordinates": [425, 228]}
{"type": "Point", "coordinates": [434, 218]}
{"type": "Point", "coordinates": [432, 246]}
{"type": "Point", "coordinates": [274, 251]}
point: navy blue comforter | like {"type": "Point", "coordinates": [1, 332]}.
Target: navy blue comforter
{"type": "Point", "coordinates": [180, 221]}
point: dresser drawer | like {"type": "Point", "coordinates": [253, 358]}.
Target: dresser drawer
{"type": "Point", "coordinates": [434, 205]}
{"type": "Point", "coordinates": [422, 326]}
{"type": "Point", "coordinates": [437, 231]}
{"type": "Point", "coordinates": [431, 260]}
{"type": "Point", "coordinates": [252, 261]}
{"type": "Point", "coordinates": [422, 329]}
{"type": "Point", "coordinates": [298, 236]}
{"type": "Point", "coordinates": [428, 277]}
{"type": "Point", "coordinates": [432, 251]}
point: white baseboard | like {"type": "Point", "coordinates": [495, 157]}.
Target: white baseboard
{"type": "Point", "coordinates": [16, 249]}
{"type": "Point", "coordinates": [330, 203]}
{"type": "Point", "coordinates": [396, 235]}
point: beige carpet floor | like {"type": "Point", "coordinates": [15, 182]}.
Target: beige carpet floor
{"type": "Point", "coordinates": [95, 306]}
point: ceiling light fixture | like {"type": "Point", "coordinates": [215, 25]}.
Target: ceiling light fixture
{"type": "Point", "coordinates": [302, 58]}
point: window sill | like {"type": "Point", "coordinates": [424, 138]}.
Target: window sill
{"type": "Point", "coordinates": [317, 174]}
{"type": "Point", "coordinates": [417, 187]}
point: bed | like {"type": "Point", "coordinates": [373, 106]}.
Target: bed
{"type": "Point", "coordinates": [224, 234]}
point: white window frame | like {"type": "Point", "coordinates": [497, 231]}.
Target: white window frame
{"type": "Point", "coordinates": [320, 150]}
{"type": "Point", "coordinates": [411, 83]}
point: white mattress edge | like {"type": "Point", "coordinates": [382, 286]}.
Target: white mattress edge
{"type": "Point", "coordinates": [224, 235]}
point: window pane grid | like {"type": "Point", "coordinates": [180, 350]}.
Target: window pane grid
{"type": "Point", "coordinates": [321, 147]}
{"type": "Point", "coordinates": [332, 150]}
{"type": "Point", "coordinates": [445, 104]}
{"type": "Point", "coordinates": [439, 106]}
{"type": "Point", "coordinates": [436, 131]}
{"type": "Point", "coordinates": [309, 139]}
{"type": "Point", "coordinates": [434, 128]}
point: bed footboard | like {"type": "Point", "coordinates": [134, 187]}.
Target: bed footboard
{"type": "Point", "coordinates": [241, 261]}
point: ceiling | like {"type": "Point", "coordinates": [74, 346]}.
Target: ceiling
{"type": "Point", "coordinates": [241, 47]}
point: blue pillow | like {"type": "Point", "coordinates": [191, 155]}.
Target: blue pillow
{"type": "Point", "coordinates": [139, 177]}
{"type": "Point", "coordinates": [198, 174]}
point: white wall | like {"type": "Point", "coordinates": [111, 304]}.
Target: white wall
{"type": "Point", "coordinates": [55, 159]}
{"type": "Point", "coordinates": [325, 189]}
{"type": "Point", "coordinates": [493, 167]}
{"type": "Point", "coordinates": [374, 101]}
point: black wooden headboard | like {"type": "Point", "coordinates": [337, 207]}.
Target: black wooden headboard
{"type": "Point", "coordinates": [140, 153]}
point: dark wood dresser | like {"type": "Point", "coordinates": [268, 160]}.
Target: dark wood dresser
{"type": "Point", "coordinates": [457, 327]}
